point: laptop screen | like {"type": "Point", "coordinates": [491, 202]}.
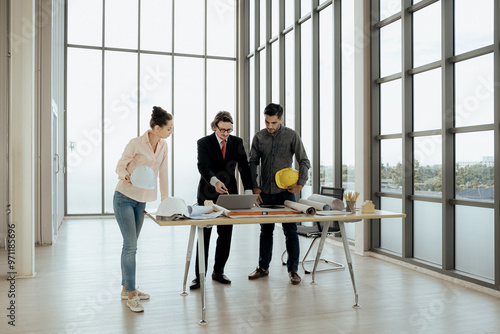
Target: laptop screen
{"type": "Point", "coordinates": [233, 202]}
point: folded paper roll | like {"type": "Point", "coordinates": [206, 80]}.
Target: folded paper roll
{"type": "Point", "coordinates": [334, 203]}
{"type": "Point", "coordinates": [307, 209]}
{"type": "Point", "coordinates": [317, 205]}
{"type": "Point", "coordinates": [216, 207]}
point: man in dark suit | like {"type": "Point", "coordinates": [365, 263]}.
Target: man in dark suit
{"type": "Point", "coordinates": [218, 156]}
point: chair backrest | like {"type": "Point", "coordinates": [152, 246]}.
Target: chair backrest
{"type": "Point", "coordinates": [336, 193]}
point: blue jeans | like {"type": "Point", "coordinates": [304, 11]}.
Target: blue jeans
{"type": "Point", "coordinates": [289, 229]}
{"type": "Point", "coordinates": [130, 216]}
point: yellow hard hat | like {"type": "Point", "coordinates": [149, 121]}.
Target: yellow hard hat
{"type": "Point", "coordinates": [286, 177]}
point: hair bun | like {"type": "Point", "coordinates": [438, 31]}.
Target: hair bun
{"type": "Point", "coordinates": [159, 117]}
{"type": "Point", "coordinates": [157, 112]}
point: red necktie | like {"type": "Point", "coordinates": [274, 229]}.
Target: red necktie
{"type": "Point", "coordinates": [223, 149]}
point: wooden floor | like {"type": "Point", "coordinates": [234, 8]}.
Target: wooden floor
{"type": "Point", "coordinates": [77, 290]}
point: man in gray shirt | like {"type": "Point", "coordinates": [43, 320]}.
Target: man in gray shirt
{"type": "Point", "coordinates": [273, 148]}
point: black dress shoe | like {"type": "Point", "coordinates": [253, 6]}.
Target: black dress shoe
{"type": "Point", "coordinates": [221, 278]}
{"type": "Point", "coordinates": [195, 284]}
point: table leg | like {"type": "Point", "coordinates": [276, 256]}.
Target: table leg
{"type": "Point", "coordinates": [188, 259]}
{"type": "Point", "coordinates": [347, 251]}
{"type": "Point", "coordinates": [201, 266]}
{"type": "Point", "coordinates": [324, 233]}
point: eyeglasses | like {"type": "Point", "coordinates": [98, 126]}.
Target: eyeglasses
{"type": "Point", "coordinates": [225, 130]}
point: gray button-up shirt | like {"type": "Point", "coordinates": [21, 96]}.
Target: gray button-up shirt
{"type": "Point", "coordinates": [274, 153]}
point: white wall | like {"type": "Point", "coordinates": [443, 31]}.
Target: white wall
{"type": "Point", "coordinates": [3, 120]}
{"type": "Point", "coordinates": [22, 149]}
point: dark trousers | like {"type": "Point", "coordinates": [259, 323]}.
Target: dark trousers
{"type": "Point", "coordinates": [289, 229]}
{"type": "Point", "coordinates": [222, 249]}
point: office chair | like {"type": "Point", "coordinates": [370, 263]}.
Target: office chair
{"type": "Point", "coordinates": [316, 230]}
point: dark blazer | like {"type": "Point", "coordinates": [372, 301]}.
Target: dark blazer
{"type": "Point", "coordinates": [211, 163]}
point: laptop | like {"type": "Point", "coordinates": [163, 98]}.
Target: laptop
{"type": "Point", "coordinates": [237, 202]}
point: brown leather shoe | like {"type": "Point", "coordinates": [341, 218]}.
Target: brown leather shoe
{"type": "Point", "coordinates": [258, 273]}
{"type": "Point", "coordinates": [295, 278]}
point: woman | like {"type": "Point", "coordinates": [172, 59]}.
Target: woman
{"type": "Point", "coordinates": [129, 201]}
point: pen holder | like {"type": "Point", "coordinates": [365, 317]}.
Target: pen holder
{"type": "Point", "coordinates": [350, 206]}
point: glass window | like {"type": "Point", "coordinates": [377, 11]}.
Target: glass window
{"type": "Point", "coordinates": [275, 17]}
{"type": "Point", "coordinates": [263, 22]}
{"type": "Point", "coordinates": [427, 100]}
{"type": "Point", "coordinates": [189, 27]}
{"type": "Point", "coordinates": [306, 99]}
{"type": "Point", "coordinates": [348, 97]}
{"type": "Point", "coordinates": [251, 25]}
{"type": "Point", "coordinates": [262, 78]}
{"type": "Point", "coordinates": [427, 35]}
{"type": "Point", "coordinates": [427, 161]}
{"type": "Point", "coordinates": [83, 131]}
{"type": "Point", "coordinates": [473, 24]}
{"type": "Point", "coordinates": [305, 7]}
{"type": "Point", "coordinates": [155, 86]}
{"type": "Point", "coordinates": [390, 165]}
{"type": "Point", "coordinates": [251, 97]}
{"type": "Point", "coordinates": [326, 109]}
{"type": "Point", "coordinates": [275, 80]}
{"type": "Point", "coordinates": [289, 13]}
{"type": "Point", "coordinates": [134, 82]}
{"type": "Point", "coordinates": [390, 49]}
{"type": "Point", "coordinates": [155, 33]}
{"type": "Point", "coordinates": [474, 171]}
{"type": "Point", "coordinates": [85, 22]}
{"type": "Point", "coordinates": [391, 107]}
{"type": "Point", "coordinates": [427, 232]}
{"type": "Point", "coordinates": [391, 230]}
{"type": "Point", "coordinates": [121, 30]}
{"type": "Point", "coordinates": [120, 114]}
{"type": "Point", "coordinates": [220, 90]}
{"type": "Point", "coordinates": [189, 110]}
{"type": "Point", "coordinates": [389, 8]}
{"type": "Point", "coordinates": [475, 241]}
{"type": "Point", "coordinates": [290, 80]}
{"type": "Point", "coordinates": [474, 86]}
{"type": "Point", "coordinates": [221, 28]}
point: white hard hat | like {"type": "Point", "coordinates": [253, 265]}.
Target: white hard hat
{"type": "Point", "coordinates": [143, 177]}
{"type": "Point", "coordinates": [172, 208]}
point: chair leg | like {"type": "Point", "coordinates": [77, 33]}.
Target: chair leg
{"type": "Point", "coordinates": [283, 257]}
{"type": "Point", "coordinates": [335, 265]}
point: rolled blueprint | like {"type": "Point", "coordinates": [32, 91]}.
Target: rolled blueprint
{"type": "Point", "coordinates": [317, 205]}
{"type": "Point", "coordinates": [307, 209]}
{"type": "Point", "coordinates": [196, 210]}
{"type": "Point", "coordinates": [334, 203]}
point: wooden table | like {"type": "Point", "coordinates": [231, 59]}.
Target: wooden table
{"type": "Point", "coordinates": [200, 224]}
